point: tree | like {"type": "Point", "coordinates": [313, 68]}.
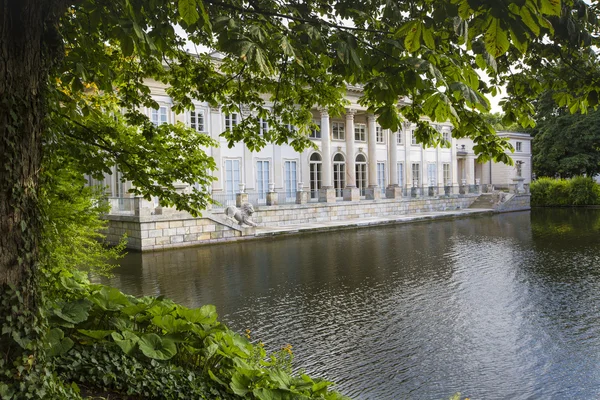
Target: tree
{"type": "Point", "coordinates": [73, 73]}
{"type": "Point", "coordinates": [568, 145]}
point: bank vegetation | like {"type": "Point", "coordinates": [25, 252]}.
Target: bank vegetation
{"type": "Point", "coordinates": [577, 191]}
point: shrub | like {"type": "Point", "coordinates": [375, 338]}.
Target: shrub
{"type": "Point", "coordinates": [582, 191]}
{"type": "Point", "coordinates": [562, 192]}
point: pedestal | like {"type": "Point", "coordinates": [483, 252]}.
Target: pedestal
{"type": "Point", "coordinates": [301, 197]}
{"type": "Point", "coordinates": [351, 193]}
{"type": "Point", "coordinates": [327, 195]}
{"type": "Point", "coordinates": [519, 188]}
{"type": "Point", "coordinates": [373, 193]}
{"type": "Point", "coordinates": [271, 198]}
{"type": "Point", "coordinates": [240, 199]}
{"type": "Point", "coordinates": [393, 192]}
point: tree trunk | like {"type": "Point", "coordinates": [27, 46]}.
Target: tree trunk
{"type": "Point", "coordinates": [27, 40]}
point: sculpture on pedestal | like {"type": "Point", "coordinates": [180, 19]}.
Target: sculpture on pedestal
{"type": "Point", "coordinates": [241, 215]}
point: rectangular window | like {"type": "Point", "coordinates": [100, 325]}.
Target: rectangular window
{"type": "Point", "coordinates": [232, 178]}
{"type": "Point", "coordinates": [197, 120]}
{"type": "Point", "coordinates": [263, 126]}
{"type": "Point", "coordinates": [413, 139]}
{"type": "Point", "coordinates": [379, 135]}
{"type": "Point", "coordinates": [159, 116]}
{"type": "Point", "coordinates": [289, 179]}
{"type": "Point", "coordinates": [290, 127]}
{"type": "Point", "coordinates": [519, 146]}
{"type": "Point", "coordinates": [446, 136]}
{"type": "Point", "coordinates": [400, 167]}
{"type": "Point", "coordinates": [231, 120]}
{"type": "Point", "coordinates": [360, 132]}
{"type": "Point", "coordinates": [416, 175]}
{"type": "Point", "coordinates": [338, 130]}
{"type": "Point", "coordinates": [447, 179]}
{"type": "Point", "coordinates": [316, 133]}
{"type": "Point", "coordinates": [381, 175]}
{"type": "Point", "coordinates": [431, 174]}
{"type": "Point", "coordinates": [262, 178]}
{"type": "Point", "coordinates": [399, 136]}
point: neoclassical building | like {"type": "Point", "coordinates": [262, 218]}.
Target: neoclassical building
{"type": "Point", "coordinates": [354, 158]}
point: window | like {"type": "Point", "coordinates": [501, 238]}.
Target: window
{"type": "Point", "coordinates": [316, 133]}
{"type": "Point", "coordinates": [263, 126]}
{"type": "Point", "coordinates": [231, 120]}
{"type": "Point", "coordinates": [416, 176]}
{"type": "Point", "coordinates": [315, 175]}
{"type": "Point", "coordinates": [400, 167]}
{"type": "Point", "coordinates": [399, 136]}
{"type": "Point", "coordinates": [379, 135]}
{"type": "Point", "coordinates": [339, 174]}
{"type": "Point", "coordinates": [381, 176]}
{"type": "Point", "coordinates": [262, 179]}
{"type": "Point", "coordinates": [413, 139]}
{"type": "Point", "coordinates": [431, 174]}
{"type": "Point", "coordinates": [446, 136]}
{"type": "Point", "coordinates": [289, 179]}
{"type": "Point", "coordinates": [290, 127]}
{"type": "Point", "coordinates": [159, 116]}
{"type": "Point", "coordinates": [447, 179]}
{"type": "Point", "coordinates": [519, 165]}
{"type": "Point", "coordinates": [338, 130]}
{"type": "Point", "coordinates": [360, 132]}
{"type": "Point", "coordinates": [519, 146]}
{"type": "Point", "coordinates": [232, 178]}
{"type": "Point", "coordinates": [197, 120]}
{"type": "Point", "coordinates": [360, 169]}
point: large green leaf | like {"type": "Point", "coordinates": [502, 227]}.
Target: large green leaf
{"type": "Point", "coordinates": [57, 343]}
{"type": "Point", "coordinates": [73, 312]}
{"type": "Point", "coordinates": [188, 11]}
{"type": "Point", "coordinates": [550, 7]}
{"type": "Point", "coordinates": [205, 315]}
{"type": "Point", "coordinates": [126, 340]}
{"type": "Point", "coordinates": [496, 38]}
{"type": "Point", "coordinates": [110, 299]}
{"type": "Point", "coordinates": [153, 346]}
{"type": "Point", "coordinates": [412, 41]}
{"type": "Point", "coordinates": [96, 334]}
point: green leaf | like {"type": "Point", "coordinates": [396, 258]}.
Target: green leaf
{"type": "Point", "coordinates": [205, 315]}
{"type": "Point", "coordinates": [188, 11]}
{"type": "Point", "coordinates": [96, 334]}
{"type": "Point", "coordinates": [155, 347]}
{"type": "Point", "coordinates": [110, 299]}
{"type": "Point", "coordinates": [496, 38]}
{"type": "Point", "coordinates": [73, 312]}
{"type": "Point", "coordinates": [412, 42]}
{"type": "Point", "coordinates": [550, 7]}
{"type": "Point", "coordinates": [428, 38]}
{"type": "Point", "coordinates": [57, 343]}
{"type": "Point", "coordinates": [126, 340]}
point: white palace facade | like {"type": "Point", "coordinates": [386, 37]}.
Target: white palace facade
{"type": "Point", "coordinates": [354, 158]}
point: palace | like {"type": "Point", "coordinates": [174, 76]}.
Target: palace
{"type": "Point", "coordinates": [355, 164]}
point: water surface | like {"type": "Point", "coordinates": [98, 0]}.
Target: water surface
{"type": "Point", "coordinates": [496, 307]}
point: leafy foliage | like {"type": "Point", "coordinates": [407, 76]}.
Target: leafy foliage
{"type": "Point", "coordinates": [565, 192]}
{"type": "Point", "coordinates": [117, 338]}
{"type": "Point", "coordinates": [567, 144]}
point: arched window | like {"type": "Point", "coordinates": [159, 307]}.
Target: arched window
{"type": "Point", "coordinates": [315, 175]}
{"type": "Point", "coordinates": [339, 174]}
{"type": "Point", "coordinates": [360, 170]}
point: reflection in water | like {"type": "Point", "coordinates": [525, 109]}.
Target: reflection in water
{"type": "Point", "coordinates": [501, 306]}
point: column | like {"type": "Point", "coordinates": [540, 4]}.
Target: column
{"type": "Point", "coordinates": [214, 119]}
{"type": "Point", "coordinates": [327, 193]}
{"type": "Point", "coordinates": [393, 190]}
{"type": "Point", "coordinates": [373, 192]}
{"type": "Point", "coordinates": [407, 146]}
{"type": "Point", "coordinates": [351, 192]}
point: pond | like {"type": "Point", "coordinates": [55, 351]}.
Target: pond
{"type": "Point", "coordinates": [502, 306]}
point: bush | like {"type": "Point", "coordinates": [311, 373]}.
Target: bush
{"type": "Point", "coordinates": [582, 191]}
{"type": "Point", "coordinates": [578, 191]}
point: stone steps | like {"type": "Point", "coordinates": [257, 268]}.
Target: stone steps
{"type": "Point", "coordinates": [484, 201]}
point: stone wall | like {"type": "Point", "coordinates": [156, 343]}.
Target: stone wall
{"type": "Point", "coordinates": [519, 202]}
{"type": "Point", "coordinates": [291, 214]}
{"type": "Point", "coordinates": [155, 232]}
{"type": "Point", "coordinates": [162, 232]}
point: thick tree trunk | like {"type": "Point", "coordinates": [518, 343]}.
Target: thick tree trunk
{"type": "Point", "coordinates": [26, 28]}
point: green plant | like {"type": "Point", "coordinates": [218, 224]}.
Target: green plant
{"type": "Point", "coordinates": [103, 338]}
{"type": "Point", "coordinates": [582, 191]}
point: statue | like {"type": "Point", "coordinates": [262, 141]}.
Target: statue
{"type": "Point", "coordinates": [242, 216]}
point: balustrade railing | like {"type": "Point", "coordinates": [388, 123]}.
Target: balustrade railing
{"type": "Point", "coordinates": [121, 205]}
